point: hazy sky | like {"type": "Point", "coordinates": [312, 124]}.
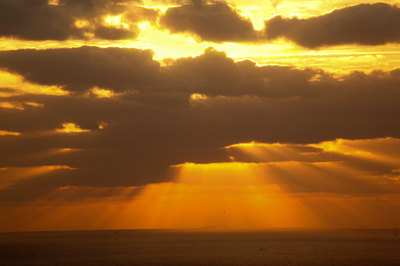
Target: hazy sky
{"type": "Point", "coordinates": [174, 114]}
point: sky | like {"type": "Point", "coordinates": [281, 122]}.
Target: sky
{"type": "Point", "coordinates": [129, 114]}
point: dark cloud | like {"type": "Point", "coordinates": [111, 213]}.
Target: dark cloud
{"type": "Point", "coordinates": [152, 122]}
{"type": "Point", "coordinates": [7, 90]}
{"type": "Point", "coordinates": [94, 8]}
{"type": "Point", "coordinates": [212, 73]}
{"type": "Point", "coordinates": [139, 76]}
{"type": "Point", "coordinates": [215, 22]}
{"type": "Point", "coordinates": [38, 20]}
{"type": "Point", "coordinates": [365, 24]}
{"type": "Point", "coordinates": [84, 67]}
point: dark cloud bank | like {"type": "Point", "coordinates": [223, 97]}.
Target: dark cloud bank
{"type": "Point", "coordinates": [215, 21]}
{"type": "Point", "coordinates": [153, 121]}
{"type": "Point", "coordinates": [364, 24]}
{"type": "Point", "coordinates": [38, 20]}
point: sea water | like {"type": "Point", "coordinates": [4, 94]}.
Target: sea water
{"type": "Point", "coordinates": [201, 247]}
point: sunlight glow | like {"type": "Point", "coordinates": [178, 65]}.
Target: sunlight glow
{"type": "Point", "coordinates": [102, 125]}
{"type": "Point", "coordinates": [230, 173]}
{"type": "Point", "coordinates": [18, 105]}
{"type": "Point", "coordinates": [338, 146]}
{"type": "Point", "coordinates": [62, 150]}
{"type": "Point", "coordinates": [34, 104]}
{"type": "Point", "coordinates": [17, 174]}
{"type": "Point", "coordinates": [102, 93]}
{"type": "Point", "coordinates": [71, 128]}
{"type": "Point", "coordinates": [238, 195]}
{"type": "Point", "coordinates": [115, 21]}
{"type": "Point", "coordinates": [11, 133]}
{"type": "Point", "coordinates": [53, 2]}
{"type": "Point", "coordinates": [19, 85]}
{"type": "Point", "coordinates": [253, 144]}
{"type": "Point", "coordinates": [11, 105]}
{"type": "Point", "coordinates": [197, 97]}
{"type": "Point", "coordinates": [81, 24]}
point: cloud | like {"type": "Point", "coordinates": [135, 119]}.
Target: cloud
{"type": "Point", "coordinates": [110, 33]}
{"type": "Point", "coordinates": [345, 167]}
{"type": "Point", "coordinates": [234, 93]}
{"type": "Point", "coordinates": [364, 24]}
{"type": "Point", "coordinates": [3, 132]}
{"type": "Point", "coordinates": [367, 168]}
{"type": "Point", "coordinates": [94, 125]}
{"type": "Point", "coordinates": [152, 120]}
{"type": "Point", "coordinates": [215, 22]}
{"type": "Point", "coordinates": [36, 20]}
{"type": "Point", "coordinates": [84, 67]}
{"type": "Point", "coordinates": [69, 19]}
{"type": "Point", "coordinates": [139, 76]}
{"type": "Point", "coordinates": [211, 73]}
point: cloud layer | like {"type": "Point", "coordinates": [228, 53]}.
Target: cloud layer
{"type": "Point", "coordinates": [128, 116]}
{"type": "Point", "coordinates": [365, 24]}
{"type": "Point", "coordinates": [219, 22]}
{"type": "Point", "coordinates": [69, 19]}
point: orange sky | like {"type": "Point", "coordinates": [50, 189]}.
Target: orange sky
{"type": "Point", "coordinates": [198, 114]}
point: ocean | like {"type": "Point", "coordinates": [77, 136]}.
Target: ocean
{"type": "Point", "coordinates": [201, 247]}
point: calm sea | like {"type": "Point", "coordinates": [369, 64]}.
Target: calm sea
{"type": "Point", "coordinates": [171, 247]}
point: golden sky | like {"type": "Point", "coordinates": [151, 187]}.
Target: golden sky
{"type": "Point", "coordinates": [122, 114]}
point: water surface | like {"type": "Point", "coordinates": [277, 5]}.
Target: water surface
{"type": "Point", "coordinates": [191, 247]}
